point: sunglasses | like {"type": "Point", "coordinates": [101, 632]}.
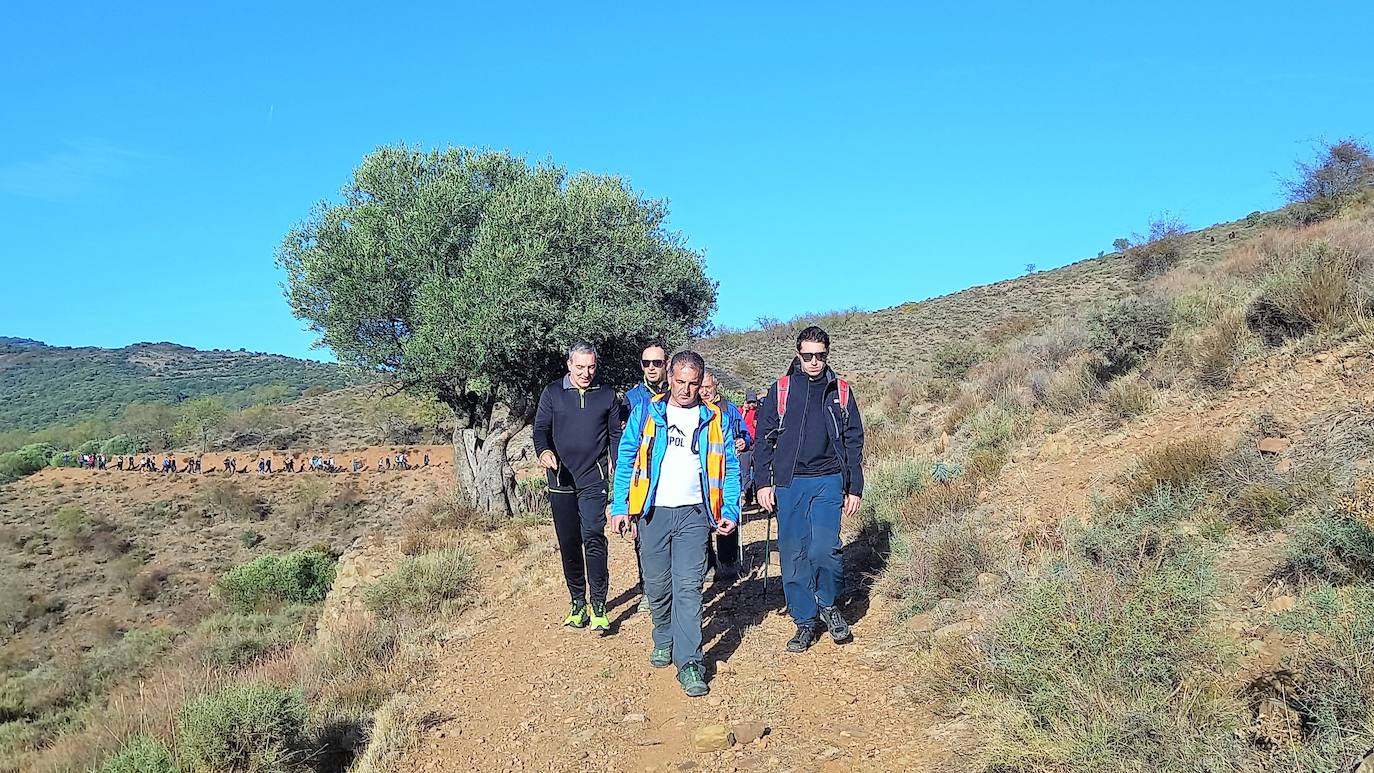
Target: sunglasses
{"type": "Point", "coordinates": [651, 363]}
{"type": "Point", "coordinates": [809, 356]}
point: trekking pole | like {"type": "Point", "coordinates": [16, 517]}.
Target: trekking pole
{"type": "Point", "coordinates": [767, 550]}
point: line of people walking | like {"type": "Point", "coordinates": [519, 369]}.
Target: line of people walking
{"type": "Point", "coordinates": [670, 466]}
{"type": "Point", "coordinates": [192, 464]}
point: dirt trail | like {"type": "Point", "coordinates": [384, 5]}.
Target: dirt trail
{"type": "Point", "coordinates": [520, 692]}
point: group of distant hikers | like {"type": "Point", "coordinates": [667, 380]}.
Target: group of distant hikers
{"type": "Point", "coordinates": [671, 463]}
{"type": "Point", "coordinates": [169, 464]}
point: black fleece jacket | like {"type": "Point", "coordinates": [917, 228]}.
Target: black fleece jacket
{"type": "Point", "coordinates": [582, 428]}
{"type": "Point", "coordinates": [776, 449]}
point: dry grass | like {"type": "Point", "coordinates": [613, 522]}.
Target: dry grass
{"type": "Point", "coordinates": [1171, 466]}
{"type": "Point", "coordinates": [396, 733]}
{"type": "Point", "coordinates": [1128, 397]}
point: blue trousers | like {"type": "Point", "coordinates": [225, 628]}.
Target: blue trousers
{"type": "Point", "coordinates": [809, 543]}
{"type": "Point", "coordinates": [672, 548]}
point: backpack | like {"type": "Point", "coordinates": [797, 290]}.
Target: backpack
{"type": "Point", "coordinates": [784, 384]}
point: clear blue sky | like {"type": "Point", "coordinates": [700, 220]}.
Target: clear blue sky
{"type": "Point", "coordinates": [152, 155]}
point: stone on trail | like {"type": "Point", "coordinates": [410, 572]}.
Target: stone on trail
{"type": "Point", "coordinates": [1366, 765]}
{"type": "Point", "coordinates": [1274, 445]}
{"type": "Point", "coordinates": [749, 732]}
{"type": "Point", "coordinates": [712, 738]}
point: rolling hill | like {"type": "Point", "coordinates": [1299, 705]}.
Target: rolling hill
{"type": "Point", "coordinates": [41, 385]}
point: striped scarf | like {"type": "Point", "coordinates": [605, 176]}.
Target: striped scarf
{"type": "Point", "coordinates": [715, 465]}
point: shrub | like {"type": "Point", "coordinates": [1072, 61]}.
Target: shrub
{"type": "Point", "coordinates": [396, 731]}
{"type": "Point", "coordinates": [1127, 333]}
{"type": "Point", "coordinates": [70, 521]}
{"type": "Point", "coordinates": [225, 499]}
{"type": "Point", "coordinates": [951, 360]}
{"type": "Point", "coordinates": [302, 577]}
{"type": "Point", "coordinates": [1333, 548]}
{"type": "Point", "coordinates": [1322, 288]}
{"type": "Point", "coordinates": [1260, 507]}
{"type": "Point", "coordinates": [25, 461]}
{"type": "Point", "coordinates": [237, 640]}
{"type": "Point", "coordinates": [1161, 249]}
{"type": "Point", "coordinates": [1218, 350]}
{"type": "Point", "coordinates": [140, 754]}
{"type": "Point", "coordinates": [1340, 171]}
{"type": "Point", "coordinates": [1069, 389]}
{"type": "Point", "coordinates": [941, 560]}
{"type": "Point", "coordinates": [122, 444]}
{"type": "Point", "coordinates": [1134, 540]}
{"type": "Point", "coordinates": [1128, 397]}
{"type": "Point", "coordinates": [430, 583]}
{"type": "Point", "coordinates": [248, 727]}
{"type": "Point", "coordinates": [1171, 466]}
{"type": "Point", "coordinates": [888, 486]}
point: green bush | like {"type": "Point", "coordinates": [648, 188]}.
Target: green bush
{"type": "Point", "coordinates": [141, 754]}
{"type": "Point", "coordinates": [237, 640]}
{"type": "Point", "coordinates": [1161, 249]}
{"type": "Point", "coordinates": [70, 521]}
{"type": "Point", "coordinates": [1334, 548]}
{"type": "Point", "coordinates": [888, 486]}
{"type": "Point", "coordinates": [302, 577]}
{"type": "Point", "coordinates": [1127, 333]}
{"type": "Point", "coordinates": [249, 727]}
{"type": "Point", "coordinates": [25, 461]}
{"type": "Point", "coordinates": [428, 583]}
{"type": "Point", "coordinates": [1135, 540]}
{"type": "Point", "coordinates": [1335, 675]}
{"type": "Point", "coordinates": [123, 444]}
{"type": "Point", "coordinates": [1260, 507]}
{"type": "Point", "coordinates": [950, 362]}
{"type": "Point", "coordinates": [940, 560]}
{"type": "Point", "coordinates": [1323, 287]}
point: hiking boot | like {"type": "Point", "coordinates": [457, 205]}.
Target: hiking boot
{"type": "Point", "coordinates": [601, 622]}
{"type": "Point", "coordinates": [577, 616]}
{"type": "Point", "coordinates": [804, 638]}
{"type": "Point", "coordinates": [834, 622]}
{"type": "Point", "coordinates": [691, 678]}
{"type": "Point", "coordinates": [661, 657]}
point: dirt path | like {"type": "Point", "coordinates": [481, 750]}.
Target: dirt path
{"type": "Point", "coordinates": [520, 692]}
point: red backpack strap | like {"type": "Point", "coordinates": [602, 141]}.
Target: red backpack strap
{"type": "Point", "coordinates": [783, 384]}
{"type": "Point", "coordinates": [844, 398]}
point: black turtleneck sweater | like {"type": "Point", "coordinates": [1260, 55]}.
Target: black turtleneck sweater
{"type": "Point", "coordinates": [816, 453]}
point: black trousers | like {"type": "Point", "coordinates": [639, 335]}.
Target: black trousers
{"type": "Point", "coordinates": [579, 520]}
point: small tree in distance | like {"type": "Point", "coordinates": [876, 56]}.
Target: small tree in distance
{"type": "Point", "coordinates": [1341, 171]}
{"type": "Point", "coordinates": [200, 419]}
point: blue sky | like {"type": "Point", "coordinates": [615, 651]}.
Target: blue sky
{"type": "Point", "coordinates": [822, 156]}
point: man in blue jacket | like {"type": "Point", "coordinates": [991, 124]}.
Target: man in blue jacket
{"type": "Point", "coordinates": [653, 363]}
{"type": "Point", "coordinates": [676, 481]}
{"type": "Point", "coordinates": [809, 470]}
{"type": "Point", "coordinates": [723, 557]}
{"type": "Point", "coordinates": [576, 429]}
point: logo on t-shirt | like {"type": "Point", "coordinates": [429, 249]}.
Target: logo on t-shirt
{"type": "Point", "coordinates": [676, 437]}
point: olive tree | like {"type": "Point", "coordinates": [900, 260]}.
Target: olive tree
{"type": "Point", "coordinates": [465, 274]}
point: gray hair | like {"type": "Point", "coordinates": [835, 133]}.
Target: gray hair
{"type": "Point", "coordinates": [687, 358]}
{"type": "Point", "coordinates": [581, 347]}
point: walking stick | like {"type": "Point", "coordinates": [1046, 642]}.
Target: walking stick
{"type": "Point", "coordinates": [767, 550]}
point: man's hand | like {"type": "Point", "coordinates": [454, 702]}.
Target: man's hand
{"type": "Point", "coordinates": [624, 525]}
{"type": "Point", "coordinates": [851, 504]}
{"type": "Point", "coordinates": [739, 445]}
{"type": "Point", "coordinates": [725, 527]}
{"type": "Point", "coordinates": [765, 498]}
{"type": "Point", "coordinates": [549, 460]}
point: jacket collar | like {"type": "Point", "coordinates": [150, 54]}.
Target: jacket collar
{"type": "Point", "coordinates": [568, 384]}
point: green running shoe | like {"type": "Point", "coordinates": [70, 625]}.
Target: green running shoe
{"type": "Point", "coordinates": [661, 657]}
{"type": "Point", "coordinates": [578, 616]}
{"type": "Point", "coordinates": [690, 677]}
{"type": "Point", "coordinates": [601, 622]}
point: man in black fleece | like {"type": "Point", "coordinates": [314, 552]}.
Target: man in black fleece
{"type": "Point", "coordinates": [576, 431]}
{"type": "Point", "coordinates": [808, 466]}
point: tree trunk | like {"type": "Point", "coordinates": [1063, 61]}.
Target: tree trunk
{"type": "Point", "coordinates": [483, 470]}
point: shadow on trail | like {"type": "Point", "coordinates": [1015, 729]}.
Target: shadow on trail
{"type": "Point", "coordinates": [731, 609]}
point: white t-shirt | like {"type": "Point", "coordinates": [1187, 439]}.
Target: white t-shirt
{"type": "Point", "coordinates": [679, 477]}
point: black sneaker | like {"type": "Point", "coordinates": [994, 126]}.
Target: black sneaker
{"type": "Point", "coordinates": [834, 622]}
{"type": "Point", "coordinates": [805, 637]}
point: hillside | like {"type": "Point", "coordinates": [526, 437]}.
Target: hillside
{"type": "Point", "coordinates": [871, 345]}
{"type": "Point", "coordinates": [42, 385]}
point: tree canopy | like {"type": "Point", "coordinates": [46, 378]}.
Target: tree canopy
{"type": "Point", "coordinates": [465, 274]}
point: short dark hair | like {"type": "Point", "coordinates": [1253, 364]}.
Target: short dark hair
{"type": "Point", "coordinates": [688, 358]}
{"type": "Point", "coordinates": [653, 344]}
{"type": "Point", "coordinates": [813, 333]}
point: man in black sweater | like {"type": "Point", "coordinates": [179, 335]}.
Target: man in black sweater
{"type": "Point", "coordinates": [808, 466]}
{"type": "Point", "coordinates": [576, 431]}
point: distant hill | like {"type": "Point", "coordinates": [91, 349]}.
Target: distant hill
{"type": "Point", "coordinates": [41, 385]}
{"type": "Point", "coordinates": [870, 346]}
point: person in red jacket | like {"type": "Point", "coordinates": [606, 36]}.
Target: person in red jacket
{"type": "Point", "coordinates": [750, 412]}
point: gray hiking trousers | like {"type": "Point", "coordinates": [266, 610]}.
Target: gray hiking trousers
{"type": "Point", "coordinates": [672, 549]}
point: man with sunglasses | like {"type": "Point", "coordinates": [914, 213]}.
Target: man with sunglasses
{"type": "Point", "coordinates": [676, 482]}
{"type": "Point", "coordinates": [653, 362]}
{"type": "Point", "coordinates": [809, 470]}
